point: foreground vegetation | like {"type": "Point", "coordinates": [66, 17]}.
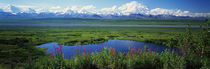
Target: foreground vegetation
{"type": "Point", "coordinates": [111, 58]}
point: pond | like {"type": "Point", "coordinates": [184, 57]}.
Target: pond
{"type": "Point", "coordinates": [120, 45]}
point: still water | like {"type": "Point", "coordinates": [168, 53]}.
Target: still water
{"type": "Point", "coordinates": [120, 45]}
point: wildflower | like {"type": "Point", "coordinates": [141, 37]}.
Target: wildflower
{"type": "Point", "coordinates": [186, 46]}
{"type": "Point", "coordinates": [84, 49]}
{"type": "Point", "coordinates": [150, 50]}
{"type": "Point", "coordinates": [73, 52]}
{"type": "Point", "coordinates": [50, 56]}
{"type": "Point", "coordinates": [198, 52]}
{"type": "Point", "coordinates": [141, 52]}
{"type": "Point", "coordinates": [113, 52]}
{"type": "Point", "coordinates": [183, 52]}
{"type": "Point", "coordinates": [127, 54]}
{"type": "Point", "coordinates": [51, 52]}
{"type": "Point", "coordinates": [138, 49]}
{"type": "Point", "coordinates": [98, 47]}
{"type": "Point", "coordinates": [132, 54]}
{"type": "Point", "coordinates": [98, 54]}
{"type": "Point", "coordinates": [60, 49]}
{"type": "Point", "coordinates": [88, 53]}
{"type": "Point", "coordinates": [145, 49]}
{"type": "Point", "coordinates": [102, 46]}
{"type": "Point", "coordinates": [54, 48]}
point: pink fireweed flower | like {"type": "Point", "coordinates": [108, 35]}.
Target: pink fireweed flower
{"type": "Point", "coordinates": [102, 46]}
{"type": "Point", "coordinates": [73, 51]}
{"type": "Point", "coordinates": [51, 52]}
{"type": "Point", "coordinates": [98, 54]}
{"type": "Point", "coordinates": [198, 52]}
{"type": "Point", "coordinates": [141, 52]}
{"type": "Point", "coordinates": [183, 52]}
{"type": "Point", "coordinates": [134, 47]}
{"type": "Point", "coordinates": [84, 50]}
{"type": "Point", "coordinates": [186, 47]}
{"type": "Point", "coordinates": [113, 51]}
{"type": "Point", "coordinates": [145, 49]}
{"type": "Point", "coordinates": [98, 47]}
{"type": "Point", "coordinates": [60, 49]}
{"type": "Point", "coordinates": [138, 49]}
{"type": "Point", "coordinates": [88, 53]}
{"type": "Point", "coordinates": [127, 54]}
{"type": "Point", "coordinates": [76, 51]}
{"type": "Point", "coordinates": [132, 54]}
{"type": "Point", "coordinates": [133, 51]}
{"type": "Point", "coordinates": [50, 56]}
{"type": "Point", "coordinates": [129, 51]}
{"type": "Point", "coordinates": [150, 50]}
{"type": "Point", "coordinates": [54, 48]}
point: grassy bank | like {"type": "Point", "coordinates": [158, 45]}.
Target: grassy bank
{"type": "Point", "coordinates": [85, 35]}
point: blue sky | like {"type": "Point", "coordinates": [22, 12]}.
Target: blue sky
{"type": "Point", "coordinates": [195, 6]}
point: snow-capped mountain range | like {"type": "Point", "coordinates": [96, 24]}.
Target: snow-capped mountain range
{"type": "Point", "coordinates": [132, 9]}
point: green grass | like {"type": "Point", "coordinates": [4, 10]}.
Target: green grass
{"type": "Point", "coordinates": [101, 21]}
{"type": "Point", "coordinates": [85, 35]}
{"type": "Point", "coordinates": [18, 43]}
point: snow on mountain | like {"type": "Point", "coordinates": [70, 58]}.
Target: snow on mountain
{"type": "Point", "coordinates": [106, 11]}
{"type": "Point", "coordinates": [13, 9]}
{"type": "Point", "coordinates": [69, 10]}
{"type": "Point", "coordinates": [89, 9]}
{"type": "Point", "coordinates": [30, 10]}
{"type": "Point", "coordinates": [1, 10]}
{"type": "Point", "coordinates": [132, 9]}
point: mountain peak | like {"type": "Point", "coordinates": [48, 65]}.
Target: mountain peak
{"type": "Point", "coordinates": [13, 9]}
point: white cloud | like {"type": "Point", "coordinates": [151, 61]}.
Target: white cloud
{"type": "Point", "coordinates": [55, 7]}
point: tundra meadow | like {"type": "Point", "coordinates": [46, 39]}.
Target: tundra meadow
{"type": "Point", "coordinates": [104, 34]}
